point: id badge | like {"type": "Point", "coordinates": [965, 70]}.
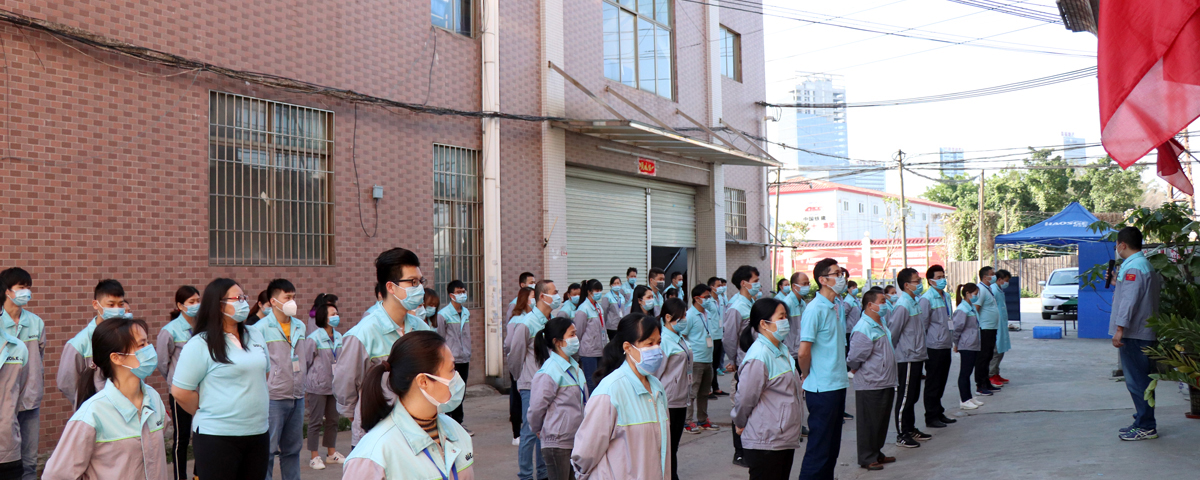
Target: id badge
{"type": "Point", "coordinates": [295, 364]}
{"type": "Point", "coordinates": [708, 341]}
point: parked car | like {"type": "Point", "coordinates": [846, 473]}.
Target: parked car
{"type": "Point", "coordinates": [1062, 287]}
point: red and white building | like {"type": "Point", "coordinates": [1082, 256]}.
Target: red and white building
{"type": "Point", "coordinates": [836, 212]}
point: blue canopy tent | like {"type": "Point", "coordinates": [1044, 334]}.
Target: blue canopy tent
{"type": "Point", "coordinates": [1070, 229]}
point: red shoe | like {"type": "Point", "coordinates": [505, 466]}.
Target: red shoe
{"type": "Point", "coordinates": [1002, 379]}
{"type": "Point", "coordinates": [996, 380]}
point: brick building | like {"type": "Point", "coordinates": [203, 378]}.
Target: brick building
{"type": "Point", "coordinates": [157, 176]}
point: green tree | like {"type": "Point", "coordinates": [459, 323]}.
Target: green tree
{"type": "Point", "coordinates": [1109, 189]}
{"type": "Point", "coordinates": [1050, 188]}
{"type": "Point", "coordinates": [793, 232]}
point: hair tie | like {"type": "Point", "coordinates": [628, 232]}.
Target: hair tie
{"type": "Point", "coordinates": [387, 367]}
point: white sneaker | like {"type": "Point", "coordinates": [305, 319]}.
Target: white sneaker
{"type": "Point", "coordinates": [316, 464]}
{"type": "Point", "coordinates": [850, 375]}
{"type": "Point", "coordinates": [517, 441]}
{"type": "Point", "coordinates": [976, 401]}
{"type": "Point", "coordinates": [335, 458]}
{"type": "Point", "coordinates": [967, 405]}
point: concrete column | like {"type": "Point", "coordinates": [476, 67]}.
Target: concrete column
{"type": "Point", "coordinates": [554, 146]}
{"type": "Point", "coordinates": [713, 28]}
{"type": "Point", "coordinates": [492, 301]}
{"type": "Point", "coordinates": [710, 226]}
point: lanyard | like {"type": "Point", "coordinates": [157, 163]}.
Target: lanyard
{"type": "Point", "coordinates": [946, 302]}
{"type": "Point", "coordinates": [444, 477]}
{"type": "Point", "coordinates": [580, 385]}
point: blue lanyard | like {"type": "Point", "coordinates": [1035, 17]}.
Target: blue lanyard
{"type": "Point", "coordinates": [452, 469]}
{"type": "Point", "coordinates": [580, 385]}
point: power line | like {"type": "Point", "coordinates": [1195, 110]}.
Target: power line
{"type": "Point", "coordinates": [1014, 10]}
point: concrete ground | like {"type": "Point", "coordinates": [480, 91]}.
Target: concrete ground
{"type": "Point", "coordinates": [1057, 419]}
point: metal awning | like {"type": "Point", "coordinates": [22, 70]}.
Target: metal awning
{"type": "Point", "coordinates": [641, 135]}
{"type": "Point", "coordinates": [734, 240]}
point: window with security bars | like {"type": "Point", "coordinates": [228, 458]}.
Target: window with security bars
{"type": "Point", "coordinates": [735, 213]}
{"type": "Point", "coordinates": [270, 199]}
{"type": "Point", "coordinates": [457, 220]}
{"type": "Point", "coordinates": [637, 44]}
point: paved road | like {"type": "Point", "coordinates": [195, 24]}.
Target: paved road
{"type": "Point", "coordinates": [1057, 419]}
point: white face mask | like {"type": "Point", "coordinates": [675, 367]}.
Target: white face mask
{"type": "Point", "coordinates": [288, 309]}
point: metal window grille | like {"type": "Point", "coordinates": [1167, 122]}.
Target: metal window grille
{"type": "Point", "coordinates": [457, 220]}
{"type": "Point", "coordinates": [735, 213]}
{"type": "Point", "coordinates": [270, 199]}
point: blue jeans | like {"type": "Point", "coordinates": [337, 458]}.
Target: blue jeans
{"type": "Point", "coordinates": [286, 429]}
{"type": "Point", "coordinates": [530, 446]}
{"type": "Point", "coordinates": [824, 434]}
{"type": "Point", "coordinates": [1138, 368]}
{"type": "Point", "coordinates": [30, 421]}
{"type": "Point", "coordinates": [589, 365]}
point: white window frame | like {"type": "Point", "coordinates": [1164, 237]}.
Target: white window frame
{"type": "Point", "coordinates": [736, 218]}
{"type": "Point", "coordinates": [655, 15]}
{"type": "Point", "coordinates": [460, 12]}
{"type": "Point", "coordinates": [731, 54]}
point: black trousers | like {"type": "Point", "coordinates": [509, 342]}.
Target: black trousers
{"type": "Point", "coordinates": [871, 409]}
{"type": "Point", "coordinates": [770, 464]}
{"type": "Point", "coordinates": [937, 373]}
{"type": "Point", "coordinates": [983, 361]}
{"type": "Point", "coordinates": [464, 371]}
{"type": "Point", "coordinates": [678, 420]}
{"type": "Point", "coordinates": [907, 394]}
{"type": "Point", "coordinates": [738, 452]}
{"type": "Point", "coordinates": [514, 408]}
{"type": "Point", "coordinates": [966, 367]}
{"type": "Point", "coordinates": [718, 357]}
{"type": "Point", "coordinates": [183, 436]}
{"type": "Point", "coordinates": [232, 458]}
{"type": "Point", "coordinates": [11, 470]}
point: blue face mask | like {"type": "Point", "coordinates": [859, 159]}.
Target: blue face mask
{"type": "Point", "coordinates": [920, 288]}
{"type": "Point", "coordinates": [652, 358]}
{"type": "Point", "coordinates": [596, 296]}
{"type": "Point", "coordinates": [805, 289]}
{"type": "Point", "coordinates": [241, 310]}
{"type": "Point", "coordinates": [648, 305]}
{"type": "Point", "coordinates": [940, 284]}
{"type": "Point", "coordinates": [334, 321]}
{"type": "Point", "coordinates": [755, 289]}
{"type": "Point", "coordinates": [22, 297]}
{"type": "Point", "coordinates": [192, 310]}
{"type": "Point", "coordinates": [147, 361]}
{"type": "Point", "coordinates": [575, 299]}
{"type": "Point", "coordinates": [555, 301]}
{"type": "Point", "coordinates": [721, 290]}
{"type": "Point", "coordinates": [853, 291]}
{"type": "Point", "coordinates": [572, 346]}
{"type": "Point", "coordinates": [782, 328]}
{"type": "Point", "coordinates": [978, 300]}
{"type": "Point", "coordinates": [632, 282]}
{"type": "Point", "coordinates": [457, 389]}
{"type": "Point", "coordinates": [461, 298]}
{"type": "Point", "coordinates": [709, 304]}
{"type": "Point", "coordinates": [415, 297]}
{"type": "Point", "coordinates": [110, 313]}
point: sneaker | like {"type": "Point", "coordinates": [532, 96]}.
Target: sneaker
{"type": "Point", "coordinates": [692, 428]}
{"type": "Point", "coordinates": [713, 396]}
{"type": "Point", "coordinates": [803, 432]}
{"type": "Point", "coordinates": [707, 425]}
{"type": "Point", "coordinates": [935, 423]}
{"type": "Point", "coordinates": [1125, 430]}
{"type": "Point", "coordinates": [1002, 379]}
{"type": "Point", "coordinates": [976, 401]}
{"type": "Point", "coordinates": [741, 462]}
{"type": "Point", "coordinates": [907, 441]}
{"type": "Point", "coordinates": [316, 464]}
{"type": "Point", "coordinates": [335, 458]}
{"type": "Point", "coordinates": [947, 420]}
{"type": "Point", "coordinates": [720, 393]}
{"type": "Point", "coordinates": [517, 441]}
{"type": "Point", "coordinates": [721, 371]}
{"type": "Point", "coordinates": [920, 436]}
{"type": "Point", "coordinates": [469, 432]}
{"type": "Point", "coordinates": [850, 375]}
{"type": "Point", "coordinates": [874, 467]}
{"type": "Point", "coordinates": [847, 416]}
{"type": "Point", "coordinates": [983, 393]}
{"type": "Point", "coordinates": [997, 386]}
{"type": "Point", "coordinates": [967, 405]}
{"type": "Point", "coordinates": [1135, 434]}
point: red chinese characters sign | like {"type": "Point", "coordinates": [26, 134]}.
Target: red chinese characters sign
{"type": "Point", "coordinates": [647, 166]}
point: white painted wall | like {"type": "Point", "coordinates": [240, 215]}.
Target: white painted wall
{"type": "Point", "coordinates": [834, 215]}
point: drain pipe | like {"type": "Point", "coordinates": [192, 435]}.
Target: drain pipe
{"type": "Point", "coordinates": [492, 314]}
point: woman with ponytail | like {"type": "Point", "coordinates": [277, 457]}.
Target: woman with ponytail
{"type": "Point", "coordinates": [557, 396]}
{"type": "Point", "coordinates": [521, 305]}
{"type": "Point", "coordinates": [637, 446]}
{"type": "Point", "coordinates": [171, 340]}
{"type": "Point", "coordinates": [643, 301]}
{"type": "Point", "coordinates": [571, 300]}
{"type": "Point", "coordinates": [260, 309]}
{"type": "Point", "coordinates": [591, 321]}
{"type": "Point", "coordinates": [965, 323]}
{"type": "Point", "coordinates": [413, 438]}
{"type": "Point", "coordinates": [117, 433]}
{"type": "Point", "coordinates": [766, 405]}
{"type": "Point", "coordinates": [221, 379]}
{"type": "Point", "coordinates": [319, 352]}
{"type": "Point", "coordinates": [675, 372]}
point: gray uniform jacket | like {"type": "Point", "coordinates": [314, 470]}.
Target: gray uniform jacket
{"type": "Point", "coordinates": [767, 401]}
{"type": "Point", "coordinates": [591, 329]}
{"type": "Point", "coordinates": [908, 336]}
{"type": "Point", "coordinates": [522, 364]}
{"type": "Point", "coordinates": [935, 319]}
{"type": "Point", "coordinates": [75, 362]}
{"type": "Point", "coordinates": [286, 379]}
{"type": "Point", "coordinates": [13, 357]}
{"type": "Point", "coordinates": [30, 330]}
{"type": "Point", "coordinates": [675, 371]}
{"type": "Point", "coordinates": [853, 312]}
{"type": "Point", "coordinates": [556, 402]}
{"type": "Point", "coordinates": [625, 433]}
{"type": "Point", "coordinates": [965, 323]}
{"type": "Point", "coordinates": [1135, 299]}
{"type": "Point", "coordinates": [109, 438]}
{"type": "Point", "coordinates": [319, 354]}
{"type": "Point", "coordinates": [872, 356]}
{"type": "Point", "coordinates": [171, 340]}
{"type": "Point", "coordinates": [455, 327]}
{"type": "Point", "coordinates": [614, 307]}
{"type": "Point", "coordinates": [732, 326]}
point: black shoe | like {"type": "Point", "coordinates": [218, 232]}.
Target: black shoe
{"type": "Point", "coordinates": [906, 441]}
{"type": "Point", "coordinates": [873, 467]}
{"type": "Point", "coordinates": [712, 396]}
{"type": "Point", "coordinates": [947, 420]}
{"type": "Point", "coordinates": [803, 432]}
{"type": "Point", "coordinates": [739, 461]}
{"type": "Point", "coordinates": [847, 416]}
{"type": "Point", "coordinates": [935, 424]}
{"type": "Point", "coordinates": [919, 435]}
{"type": "Point", "coordinates": [719, 393]}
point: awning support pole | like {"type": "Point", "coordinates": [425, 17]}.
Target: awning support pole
{"type": "Point", "coordinates": [586, 91]}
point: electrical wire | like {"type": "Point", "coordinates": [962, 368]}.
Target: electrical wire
{"type": "Point", "coordinates": [357, 185]}
{"type": "Point", "coordinates": [1014, 10]}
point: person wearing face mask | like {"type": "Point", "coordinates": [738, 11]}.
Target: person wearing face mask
{"type": "Point", "coordinates": [657, 284]}
{"type": "Point", "coordinates": [889, 292]}
{"type": "Point", "coordinates": [676, 287]}
{"type": "Point", "coordinates": [525, 280]}
{"type": "Point", "coordinates": [782, 289]}
{"type": "Point", "coordinates": [30, 330]}
{"type": "Point", "coordinates": [570, 302]}
{"type": "Point", "coordinates": [1003, 343]}
{"type": "Point", "coordinates": [874, 363]}
{"type": "Point", "coordinates": [591, 327]}
{"type": "Point", "coordinates": [117, 432]}
{"type": "Point", "coordinates": [221, 379]}
{"type": "Point", "coordinates": [171, 340]}
{"type": "Point", "coordinates": [631, 281]}
{"type": "Point", "coordinates": [523, 305]}
{"type": "Point", "coordinates": [614, 304]}
{"type": "Point", "coordinates": [326, 299]}
{"type": "Point", "coordinates": [14, 356]}
{"type": "Point", "coordinates": [908, 339]}
{"type": "Point", "coordinates": [1137, 289]}
{"type": "Point", "coordinates": [695, 328]}
{"type": "Point", "coordinates": [766, 406]}
{"type": "Point", "coordinates": [283, 332]}
{"type": "Point", "coordinates": [675, 373]}
{"type": "Point", "coordinates": [989, 324]}
{"type": "Point", "coordinates": [454, 325]}
{"type": "Point", "coordinates": [108, 300]}
{"type": "Point", "coordinates": [625, 430]}
{"type": "Point", "coordinates": [822, 358]}
{"type": "Point", "coordinates": [853, 312]}
{"type": "Point", "coordinates": [398, 271]}
{"type": "Point", "coordinates": [412, 437]}
{"type": "Point", "coordinates": [260, 309]}
{"type": "Point", "coordinates": [319, 351]}
{"type": "Point", "coordinates": [715, 313]}
{"type": "Point", "coordinates": [557, 396]}
{"type": "Point", "coordinates": [428, 311]}
{"type": "Point", "coordinates": [735, 321]}
{"type": "Point", "coordinates": [800, 287]}
{"type": "Point", "coordinates": [522, 365]}
{"type": "Point", "coordinates": [965, 330]}
{"type": "Point", "coordinates": [935, 321]}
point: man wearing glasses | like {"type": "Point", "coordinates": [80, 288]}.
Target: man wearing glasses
{"type": "Point", "coordinates": [822, 359]}
{"type": "Point", "coordinates": [369, 343]}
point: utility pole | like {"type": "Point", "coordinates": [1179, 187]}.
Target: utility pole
{"type": "Point", "coordinates": [927, 245]}
{"type": "Point", "coordinates": [980, 247]}
{"type": "Point", "coordinates": [778, 199]}
{"type": "Point", "coordinates": [903, 211]}
{"type": "Point", "coordinates": [1187, 165]}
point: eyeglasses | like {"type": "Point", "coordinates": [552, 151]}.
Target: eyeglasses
{"type": "Point", "coordinates": [412, 282]}
{"type": "Point", "coordinates": [239, 298]}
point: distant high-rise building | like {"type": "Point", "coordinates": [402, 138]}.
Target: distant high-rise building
{"type": "Point", "coordinates": [819, 128]}
{"type": "Point", "coordinates": [1073, 150]}
{"type": "Point", "coordinates": [952, 161]}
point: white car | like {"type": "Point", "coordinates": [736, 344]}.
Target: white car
{"type": "Point", "coordinates": [1062, 287]}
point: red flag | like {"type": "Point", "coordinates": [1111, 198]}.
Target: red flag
{"type": "Point", "coordinates": [1149, 73]}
